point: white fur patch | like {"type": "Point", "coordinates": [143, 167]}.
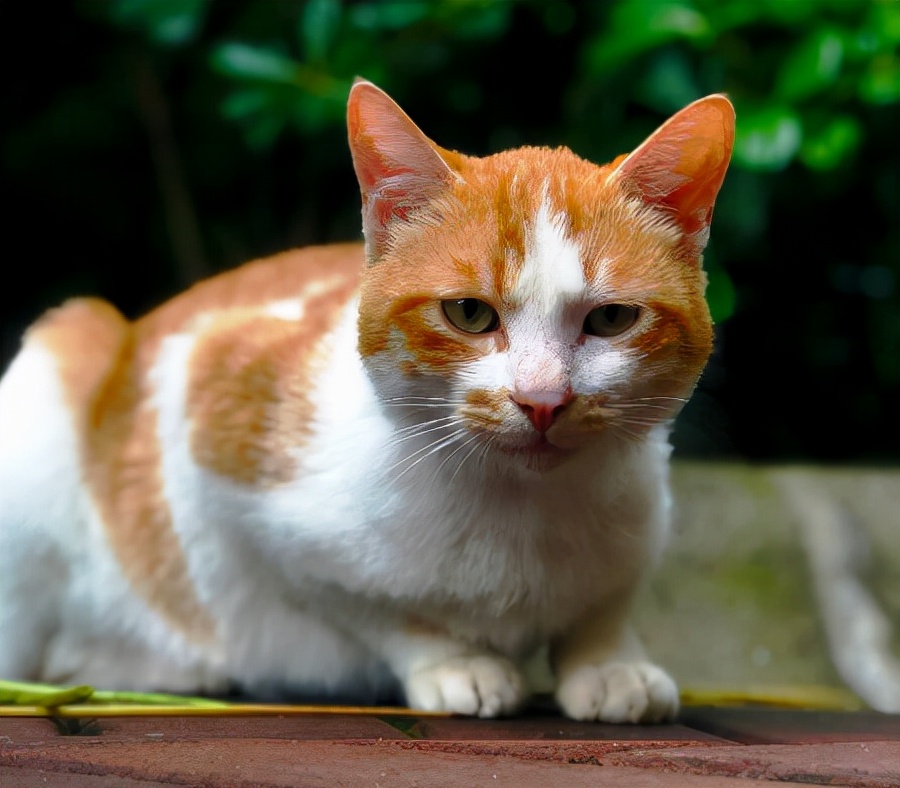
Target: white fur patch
{"type": "Point", "coordinates": [552, 269]}
{"type": "Point", "coordinates": [291, 309]}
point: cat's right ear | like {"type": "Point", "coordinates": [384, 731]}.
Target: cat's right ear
{"type": "Point", "coordinates": [681, 166]}
{"type": "Point", "coordinates": [398, 168]}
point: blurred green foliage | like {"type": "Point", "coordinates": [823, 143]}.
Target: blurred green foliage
{"type": "Point", "coordinates": [804, 260]}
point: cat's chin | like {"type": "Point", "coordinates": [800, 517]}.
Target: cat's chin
{"type": "Point", "coordinates": [540, 455]}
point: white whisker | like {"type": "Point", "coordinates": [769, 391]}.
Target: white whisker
{"type": "Point", "coordinates": [655, 405]}
{"type": "Point", "coordinates": [430, 449]}
{"type": "Point", "coordinates": [417, 428]}
{"type": "Point", "coordinates": [416, 400]}
{"type": "Point", "coordinates": [454, 452]}
{"type": "Point", "coordinates": [418, 407]}
{"type": "Point", "coordinates": [624, 428]}
{"type": "Point", "coordinates": [462, 462]}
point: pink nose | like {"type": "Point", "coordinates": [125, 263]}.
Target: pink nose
{"type": "Point", "coordinates": [542, 410]}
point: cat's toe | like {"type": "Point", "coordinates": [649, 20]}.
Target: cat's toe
{"type": "Point", "coordinates": [619, 692]}
{"type": "Point", "coordinates": [482, 686]}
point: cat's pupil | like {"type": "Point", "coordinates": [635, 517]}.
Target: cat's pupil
{"type": "Point", "coordinates": [470, 307]}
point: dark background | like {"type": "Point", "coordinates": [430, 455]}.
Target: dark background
{"type": "Point", "coordinates": [149, 143]}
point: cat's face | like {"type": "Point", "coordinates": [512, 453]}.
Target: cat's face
{"type": "Point", "coordinates": [525, 304]}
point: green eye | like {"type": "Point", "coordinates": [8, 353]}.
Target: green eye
{"type": "Point", "coordinates": [471, 315]}
{"type": "Point", "coordinates": [610, 320]}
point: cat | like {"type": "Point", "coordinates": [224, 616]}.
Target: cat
{"type": "Point", "coordinates": [406, 463]}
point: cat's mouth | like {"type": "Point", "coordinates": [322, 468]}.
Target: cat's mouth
{"type": "Point", "coordinates": [539, 454]}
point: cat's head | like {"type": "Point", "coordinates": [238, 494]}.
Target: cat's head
{"type": "Point", "coordinates": [526, 303]}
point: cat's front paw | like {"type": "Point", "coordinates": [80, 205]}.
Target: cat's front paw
{"type": "Point", "coordinates": [483, 686]}
{"type": "Point", "coordinates": [619, 692]}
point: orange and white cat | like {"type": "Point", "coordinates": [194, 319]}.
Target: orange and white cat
{"type": "Point", "coordinates": [349, 467]}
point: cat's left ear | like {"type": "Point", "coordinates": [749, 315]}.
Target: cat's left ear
{"type": "Point", "coordinates": [681, 166]}
{"type": "Point", "coordinates": [399, 169]}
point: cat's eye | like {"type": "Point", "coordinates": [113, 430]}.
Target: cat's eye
{"type": "Point", "coordinates": [471, 315]}
{"type": "Point", "coordinates": [610, 320]}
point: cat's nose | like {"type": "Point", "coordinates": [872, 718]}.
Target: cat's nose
{"type": "Point", "coordinates": [542, 409]}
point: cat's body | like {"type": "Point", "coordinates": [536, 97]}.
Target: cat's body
{"type": "Point", "coordinates": [342, 468]}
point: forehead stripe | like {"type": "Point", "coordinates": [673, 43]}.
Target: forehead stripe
{"type": "Point", "coordinates": [552, 268]}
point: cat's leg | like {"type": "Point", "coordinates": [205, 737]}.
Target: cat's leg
{"type": "Point", "coordinates": [603, 673]}
{"type": "Point", "coordinates": [441, 673]}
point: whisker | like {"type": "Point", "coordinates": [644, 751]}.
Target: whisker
{"type": "Point", "coordinates": [421, 405]}
{"type": "Point", "coordinates": [413, 399]}
{"type": "Point", "coordinates": [655, 405]}
{"type": "Point", "coordinates": [624, 431]}
{"type": "Point", "coordinates": [431, 448]}
{"type": "Point", "coordinates": [636, 422]}
{"type": "Point", "coordinates": [471, 451]}
{"type": "Point", "coordinates": [413, 428]}
{"type": "Point", "coordinates": [404, 438]}
{"type": "Point", "coordinates": [455, 451]}
{"type": "Point", "coordinates": [420, 450]}
{"type": "Point", "coordinates": [637, 416]}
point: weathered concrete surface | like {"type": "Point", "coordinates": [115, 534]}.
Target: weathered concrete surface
{"type": "Point", "coordinates": [733, 604]}
{"type": "Point", "coordinates": [537, 750]}
{"type": "Point", "coordinates": [858, 764]}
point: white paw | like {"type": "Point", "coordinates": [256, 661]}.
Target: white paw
{"type": "Point", "coordinates": [485, 686]}
{"type": "Point", "coordinates": [619, 692]}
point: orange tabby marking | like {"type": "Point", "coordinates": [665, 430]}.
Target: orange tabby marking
{"type": "Point", "coordinates": [248, 391]}
{"type": "Point", "coordinates": [95, 349]}
{"type": "Point", "coordinates": [243, 380]}
{"type": "Point", "coordinates": [250, 373]}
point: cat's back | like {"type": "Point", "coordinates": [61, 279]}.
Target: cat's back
{"type": "Point", "coordinates": [284, 285]}
{"type": "Point", "coordinates": [82, 386]}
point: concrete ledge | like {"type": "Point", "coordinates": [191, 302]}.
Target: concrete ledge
{"type": "Point", "coordinates": [860, 749]}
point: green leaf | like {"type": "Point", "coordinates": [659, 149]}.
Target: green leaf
{"type": "Point", "coordinates": [638, 26]}
{"type": "Point", "coordinates": [669, 17]}
{"type": "Point", "coordinates": [789, 12]}
{"type": "Point", "coordinates": [263, 131]}
{"type": "Point", "coordinates": [767, 139]}
{"type": "Point", "coordinates": [245, 61]}
{"type": "Point", "coordinates": [312, 113]}
{"type": "Point", "coordinates": [669, 82]}
{"type": "Point", "coordinates": [156, 699]}
{"type": "Point", "coordinates": [23, 693]}
{"type": "Point", "coordinates": [880, 84]}
{"type": "Point", "coordinates": [481, 19]}
{"type": "Point", "coordinates": [319, 24]}
{"type": "Point", "coordinates": [389, 14]}
{"type": "Point", "coordinates": [884, 22]}
{"type": "Point", "coordinates": [171, 22]}
{"type": "Point", "coordinates": [720, 293]}
{"type": "Point", "coordinates": [246, 102]}
{"type": "Point", "coordinates": [813, 65]}
{"type": "Point", "coordinates": [833, 145]}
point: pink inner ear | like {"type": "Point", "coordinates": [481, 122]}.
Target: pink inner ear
{"type": "Point", "coordinates": [397, 166]}
{"type": "Point", "coordinates": [682, 164]}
